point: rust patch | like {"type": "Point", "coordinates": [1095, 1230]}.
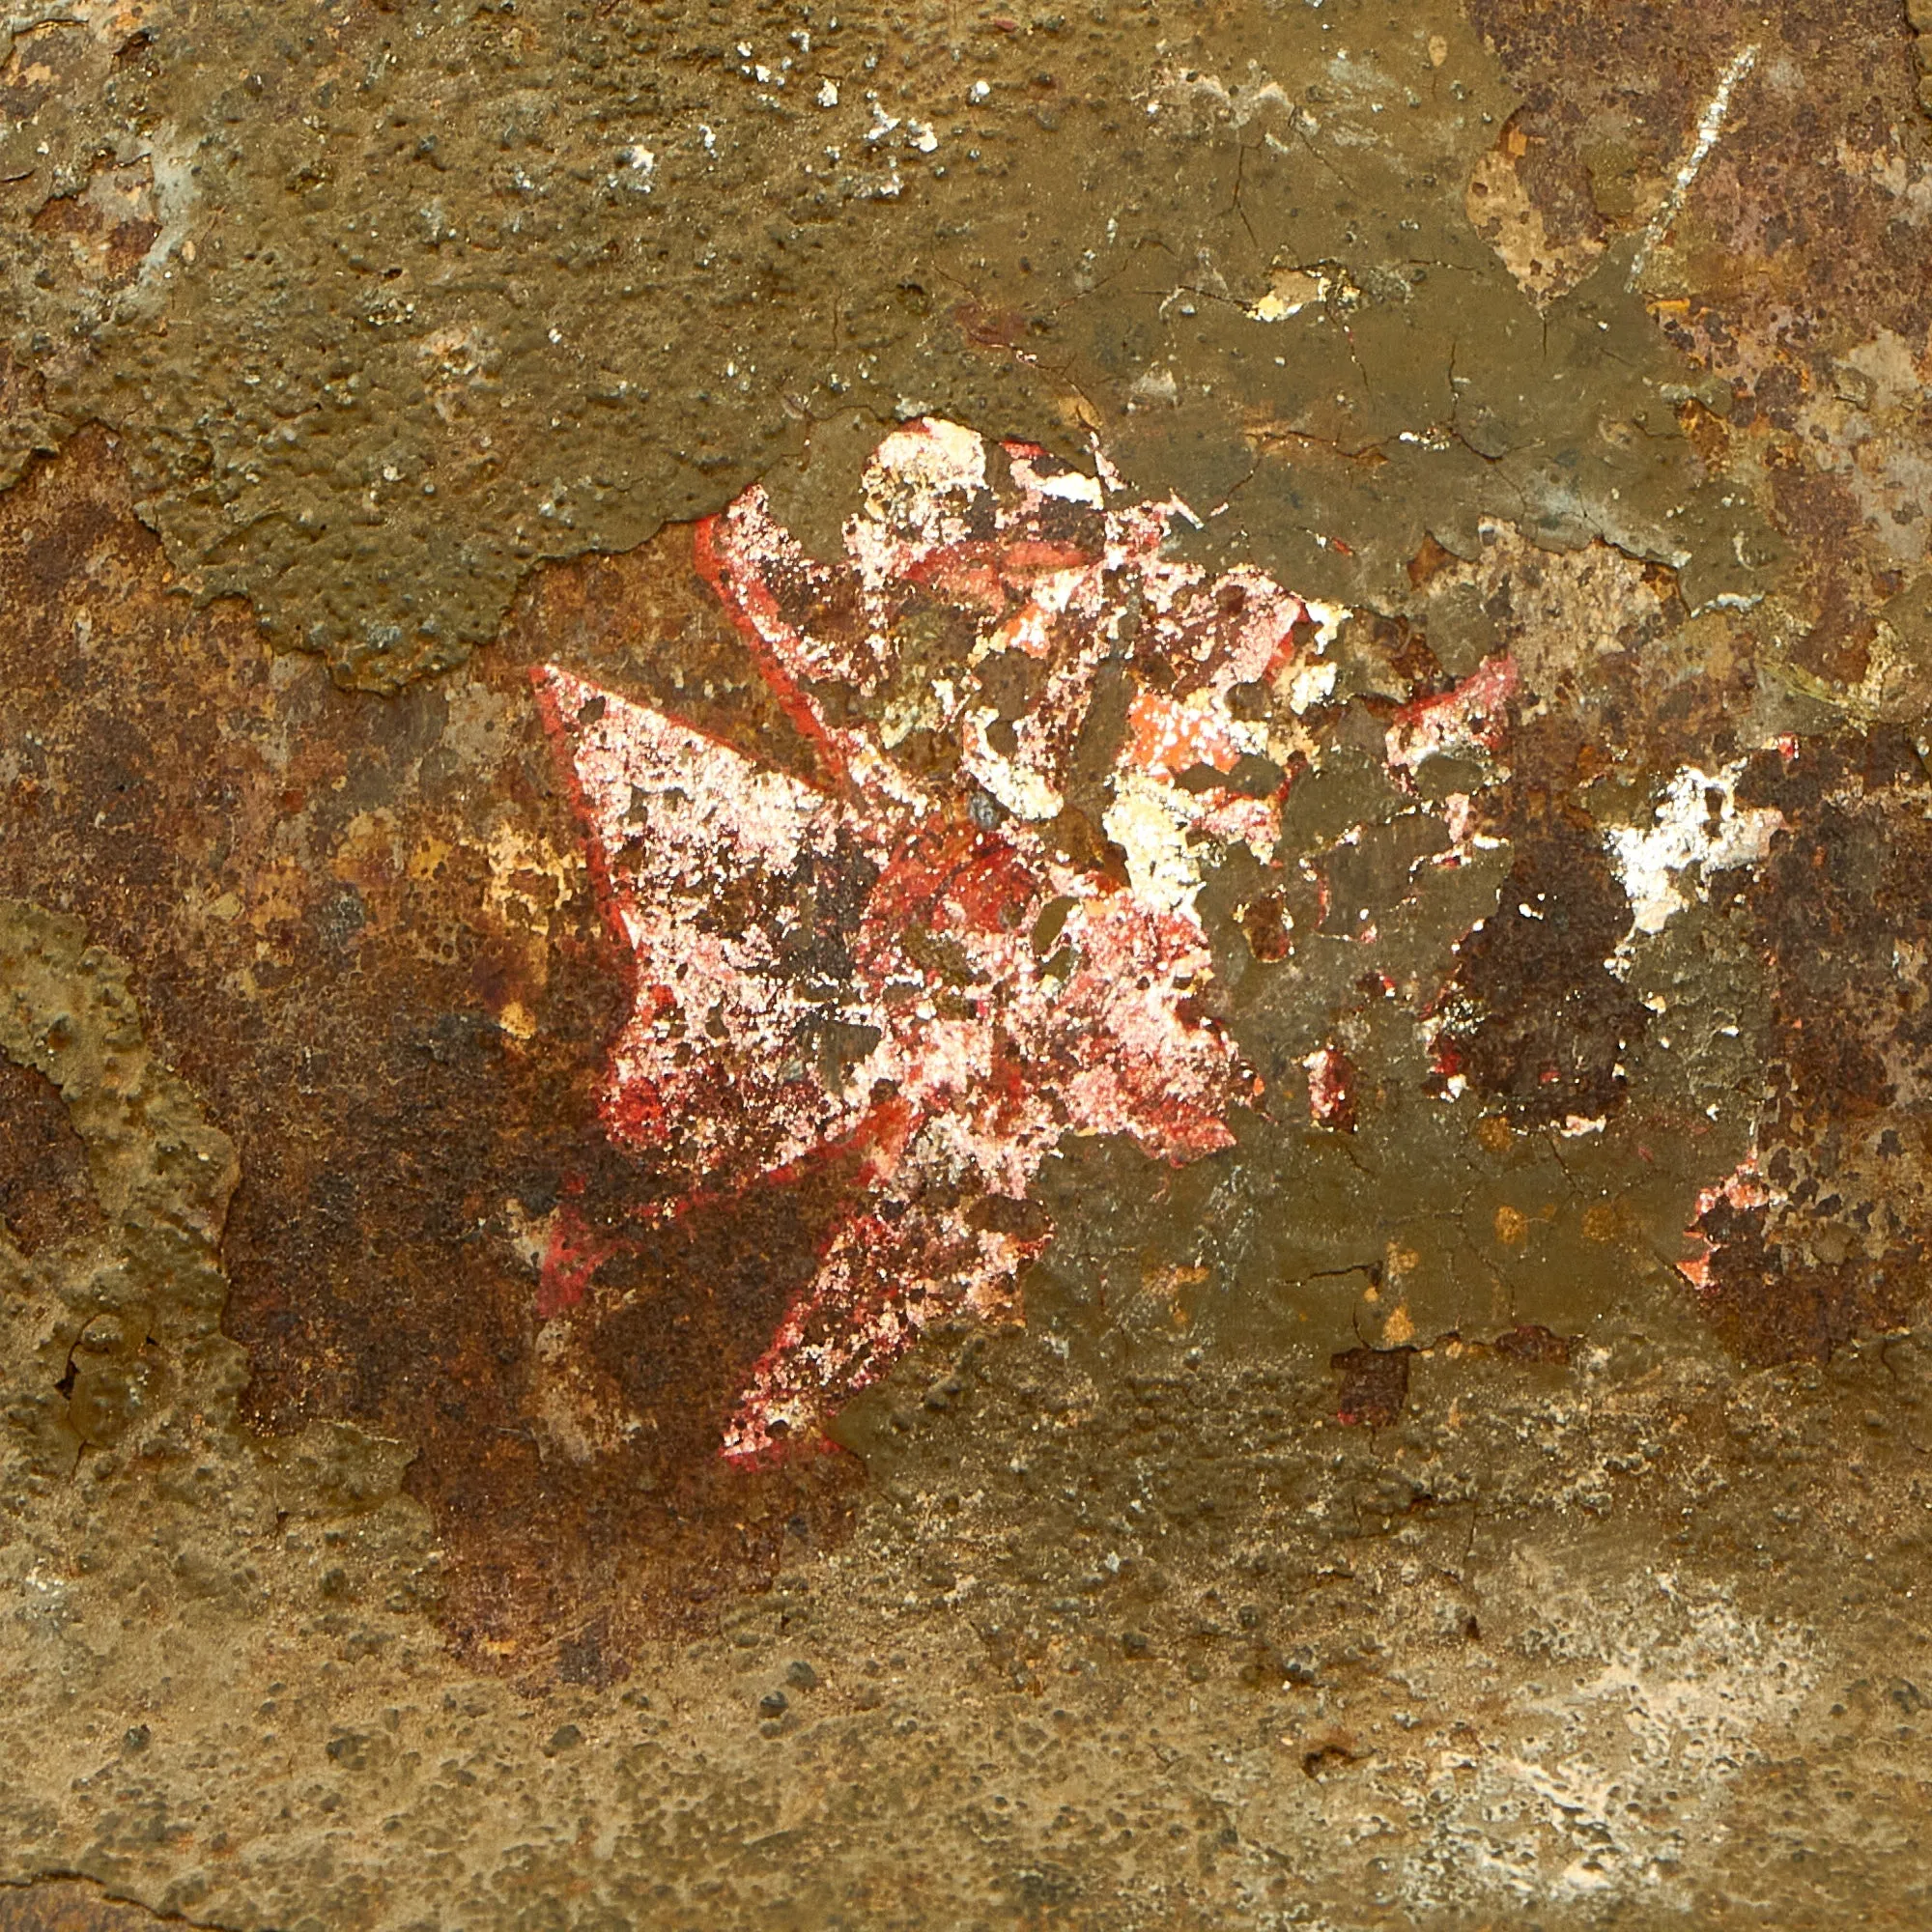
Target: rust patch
{"type": "Point", "coordinates": [108, 226]}
{"type": "Point", "coordinates": [1790, 274]}
{"type": "Point", "coordinates": [1823, 1233]}
{"type": "Point", "coordinates": [1530, 198]}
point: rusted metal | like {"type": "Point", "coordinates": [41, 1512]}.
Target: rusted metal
{"type": "Point", "coordinates": [919, 938]}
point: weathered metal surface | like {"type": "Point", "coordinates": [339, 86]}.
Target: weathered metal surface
{"type": "Point", "coordinates": [965, 969]}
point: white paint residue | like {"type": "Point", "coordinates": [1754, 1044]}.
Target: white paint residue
{"type": "Point", "coordinates": [1156, 386]}
{"type": "Point", "coordinates": [176, 192]}
{"type": "Point", "coordinates": [1146, 821]}
{"type": "Point", "coordinates": [1327, 620]}
{"type": "Point", "coordinates": [1697, 823]}
{"type": "Point", "coordinates": [1024, 792]}
{"type": "Point", "coordinates": [922, 464]}
{"type": "Point", "coordinates": [1290, 292]}
{"type": "Point", "coordinates": [1070, 486]}
{"type": "Point", "coordinates": [1310, 684]}
{"type": "Point", "coordinates": [1708, 127]}
{"type": "Point", "coordinates": [711, 806]}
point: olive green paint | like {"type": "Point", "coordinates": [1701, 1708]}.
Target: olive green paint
{"type": "Point", "coordinates": [418, 313]}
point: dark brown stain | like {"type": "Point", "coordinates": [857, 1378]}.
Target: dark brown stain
{"type": "Point", "coordinates": [1407, 648]}
{"type": "Point", "coordinates": [1371, 1385]}
{"type": "Point", "coordinates": [74, 1905]}
{"type": "Point", "coordinates": [1531, 1342]}
{"type": "Point", "coordinates": [1535, 1019]}
{"type": "Point", "coordinates": [44, 1189]}
{"type": "Point", "coordinates": [404, 1035]}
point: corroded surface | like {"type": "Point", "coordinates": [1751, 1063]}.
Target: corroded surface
{"type": "Point", "coordinates": [1145, 796]}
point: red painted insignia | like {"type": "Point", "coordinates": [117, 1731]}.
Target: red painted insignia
{"type": "Point", "coordinates": [916, 957]}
